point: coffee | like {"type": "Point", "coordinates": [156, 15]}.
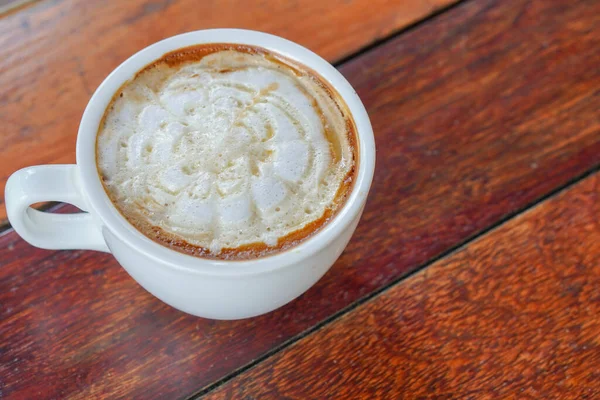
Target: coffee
{"type": "Point", "coordinates": [227, 151]}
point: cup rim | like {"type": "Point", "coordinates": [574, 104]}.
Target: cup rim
{"type": "Point", "coordinates": [101, 206]}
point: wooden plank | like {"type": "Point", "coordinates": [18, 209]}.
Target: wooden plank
{"type": "Point", "coordinates": [515, 314]}
{"type": "Point", "coordinates": [55, 53]}
{"type": "Point", "coordinates": [475, 118]}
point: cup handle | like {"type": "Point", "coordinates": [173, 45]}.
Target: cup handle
{"type": "Point", "coordinates": [48, 230]}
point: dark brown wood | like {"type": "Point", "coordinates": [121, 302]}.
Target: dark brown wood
{"type": "Point", "coordinates": [477, 113]}
{"type": "Point", "coordinates": [515, 314]}
{"type": "Point", "coordinates": [53, 54]}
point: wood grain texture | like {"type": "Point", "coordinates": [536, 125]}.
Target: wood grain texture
{"type": "Point", "coordinates": [55, 53]}
{"type": "Point", "coordinates": [515, 314]}
{"type": "Point", "coordinates": [477, 113]}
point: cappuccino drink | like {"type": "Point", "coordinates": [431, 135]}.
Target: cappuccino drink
{"type": "Point", "coordinates": [227, 151]}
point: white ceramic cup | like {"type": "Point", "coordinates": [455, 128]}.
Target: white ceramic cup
{"type": "Point", "coordinates": [207, 288]}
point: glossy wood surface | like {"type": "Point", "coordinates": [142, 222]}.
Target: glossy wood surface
{"type": "Point", "coordinates": [513, 315]}
{"type": "Point", "coordinates": [477, 113]}
{"type": "Point", "coordinates": [54, 53]}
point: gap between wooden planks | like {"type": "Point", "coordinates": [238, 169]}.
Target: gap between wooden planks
{"type": "Point", "coordinates": [53, 54]}
{"type": "Point", "coordinates": [482, 111]}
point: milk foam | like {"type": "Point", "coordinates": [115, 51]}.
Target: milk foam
{"type": "Point", "coordinates": [231, 150]}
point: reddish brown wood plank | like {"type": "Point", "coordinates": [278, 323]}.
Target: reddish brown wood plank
{"type": "Point", "coordinates": [475, 117]}
{"type": "Point", "coordinates": [55, 53]}
{"type": "Point", "coordinates": [515, 314]}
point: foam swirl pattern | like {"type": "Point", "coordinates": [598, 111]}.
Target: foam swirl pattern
{"type": "Point", "coordinates": [232, 150]}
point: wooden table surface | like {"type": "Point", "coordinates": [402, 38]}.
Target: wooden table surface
{"type": "Point", "coordinates": [474, 272]}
